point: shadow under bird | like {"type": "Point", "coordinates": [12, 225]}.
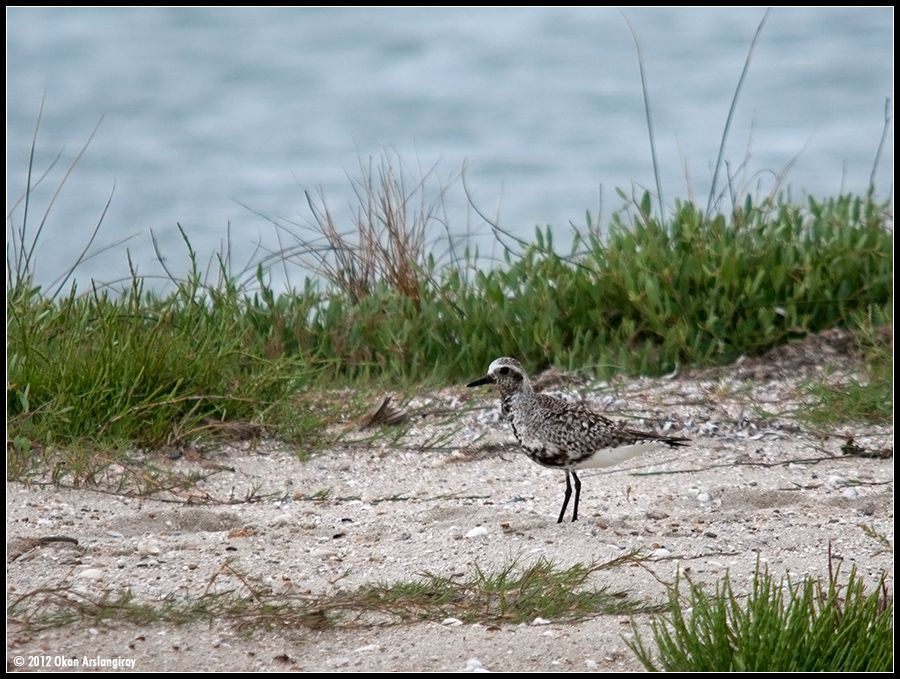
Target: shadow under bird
{"type": "Point", "coordinates": [563, 435]}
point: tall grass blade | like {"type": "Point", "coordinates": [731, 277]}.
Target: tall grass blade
{"type": "Point", "coordinates": [731, 110]}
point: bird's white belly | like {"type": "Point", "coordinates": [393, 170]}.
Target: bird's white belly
{"type": "Point", "coordinates": [607, 457]}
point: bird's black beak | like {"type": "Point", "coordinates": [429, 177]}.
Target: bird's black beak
{"type": "Point", "coordinates": [487, 379]}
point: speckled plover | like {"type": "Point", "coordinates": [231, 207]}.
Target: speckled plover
{"type": "Point", "coordinates": [562, 435]}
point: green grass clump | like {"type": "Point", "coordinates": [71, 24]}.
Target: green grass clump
{"type": "Point", "coordinates": [780, 627]}
{"type": "Point", "coordinates": [135, 368]}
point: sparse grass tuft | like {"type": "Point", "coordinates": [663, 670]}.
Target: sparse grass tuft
{"type": "Point", "coordinates": [871, 400]}
{"type": "Point", "coordinates": [780, 627]}
{"type": "Point", "coordinates": [109, 471]}
{"type": "Point", "coordinates": [511, 594]}
{"type": "Point", "coordinates": [886, 546]}
{"type": "Point", "coordinates": [389, 243]}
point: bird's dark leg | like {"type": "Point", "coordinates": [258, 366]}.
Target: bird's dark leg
{"type": "Point", "coordinates": [562, 512]}
{"type": "Point", "coordinates": [577, 496]}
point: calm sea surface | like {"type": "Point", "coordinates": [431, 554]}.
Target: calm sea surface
{"type": "Point", "coordinates": [208, 109]}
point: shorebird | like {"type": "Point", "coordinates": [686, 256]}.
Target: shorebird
{"type": "Point", "coordinates": [564, 436]}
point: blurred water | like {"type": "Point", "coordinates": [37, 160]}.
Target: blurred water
{"type": "Point", "coordinates": [206, 107]}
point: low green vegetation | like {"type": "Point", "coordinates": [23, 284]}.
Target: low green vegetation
{"type": "Point", "coordinates": [510, 594]}
{"type": "Point", "coordinates": [780, 627]}
{"type": "Point", "coordinates": [146, 368]}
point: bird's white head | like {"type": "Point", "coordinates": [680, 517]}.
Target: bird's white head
{"type": "Point", "coordinates": [507, 373]}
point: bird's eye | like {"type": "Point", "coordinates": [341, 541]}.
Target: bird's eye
{"type": "Point", "coordinates": [504, 370]}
